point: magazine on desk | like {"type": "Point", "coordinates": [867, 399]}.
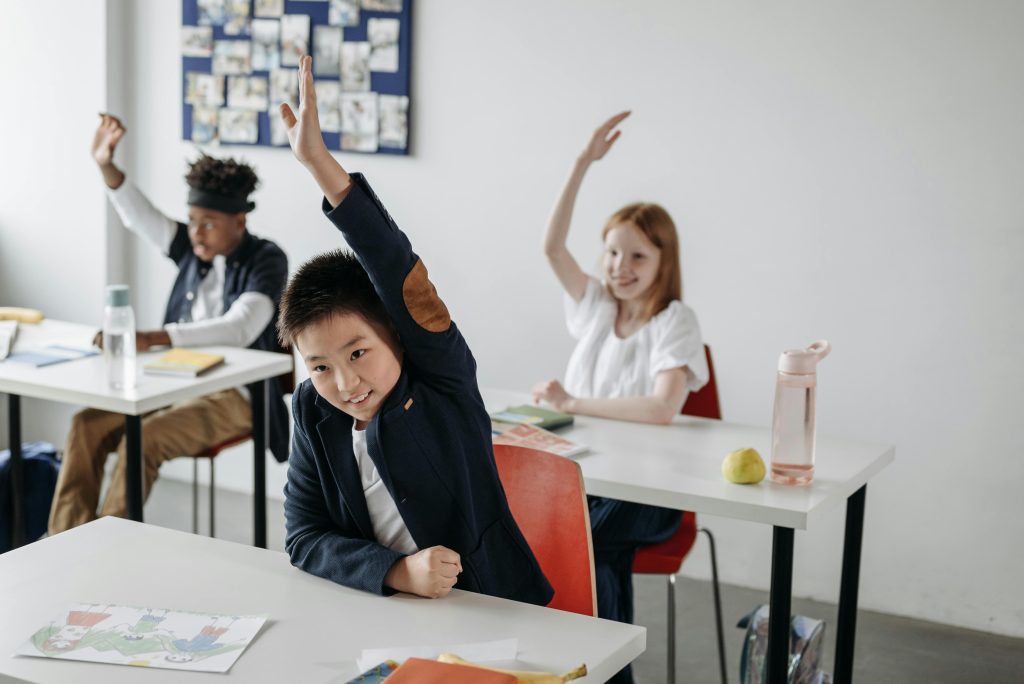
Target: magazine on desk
{"type": "Point", "coordinates": [533, 437]}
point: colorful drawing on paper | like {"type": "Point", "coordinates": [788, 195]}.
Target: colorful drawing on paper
{"type": "Point", "coordinates": [145, 637]}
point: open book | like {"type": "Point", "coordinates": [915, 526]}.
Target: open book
{"type": "Point", "coordinates": [186, 363]}
{"type": "Point", "coordinates": [533, 437]}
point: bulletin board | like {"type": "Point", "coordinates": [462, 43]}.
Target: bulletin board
{"type": "Point", "coordinates": [240, 62]}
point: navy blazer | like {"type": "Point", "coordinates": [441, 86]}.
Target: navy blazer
{"type": "Point", "coordinates": [430, 442]}
{"type": "Point", "coordinates": [256, 265]}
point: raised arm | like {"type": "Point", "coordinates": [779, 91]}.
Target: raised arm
{"type": "Point", "coordinates": [429, 338]}
{"type": "Point", "coordinates": [104, 142]}
{"type": "Point", "coordinates": [307, 141]}
{"type": "Point", "coordinates": [569, 273]}
{"type": "Point", "coordinates": [136, 211]}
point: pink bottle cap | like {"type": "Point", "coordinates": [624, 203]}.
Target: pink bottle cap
{"type": "Point", "coordinates": [804, 361]}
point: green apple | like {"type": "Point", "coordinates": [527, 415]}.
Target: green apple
{"type": "Point", "coordinates": [743, 466]}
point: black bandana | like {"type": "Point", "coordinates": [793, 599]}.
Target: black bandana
{"type": "Point", "coordinates": [225, 203]}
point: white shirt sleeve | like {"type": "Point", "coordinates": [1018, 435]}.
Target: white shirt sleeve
{"type": "Point", "coordinates": [140, 216]}
{"type": "Point", "coordinates": [238, 327]}
{"type": "Point", "coordinates": [678, 344]}
{"type": "Point", "coordinates": [579, 315]}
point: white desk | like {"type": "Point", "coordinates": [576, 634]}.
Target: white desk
{"type": "Point", "coordinates": [82, 382]}
{"type": "Point", "coordinates": [316, 628]}
{"type": "Point", "coordinates": [679, 466]}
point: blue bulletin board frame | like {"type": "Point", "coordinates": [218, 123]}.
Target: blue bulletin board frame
{"type": "Point", "coordinates": [384, 83]}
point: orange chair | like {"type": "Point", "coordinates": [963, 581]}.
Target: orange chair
{"type": "Point", "coordinates": [287, 384]}
{"type": "Point", "coordinates": [209, 453]}
{"type": "Point", "coordinates": [667, 557]}
{"type": "Point", "coordinates": [546, 496]}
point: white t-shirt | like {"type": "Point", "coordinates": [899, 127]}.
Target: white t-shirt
{"type": "Point", "coordinates": [603, 365]}
{"type": "Point", "coordinates": [388, 526]}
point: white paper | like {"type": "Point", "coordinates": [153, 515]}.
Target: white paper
{"type": "Point", "coordinates": [145, 637]}
{"type": "Point", "coordinates": [477, 652]}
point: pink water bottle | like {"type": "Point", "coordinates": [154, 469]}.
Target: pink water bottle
{"type": "Point", "coordinates": [793, 422]}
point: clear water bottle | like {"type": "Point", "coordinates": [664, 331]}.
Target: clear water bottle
{"type": "Point", "coordinates": [119, 338]}
{"type": "Point", "coordinates": [793, 422]}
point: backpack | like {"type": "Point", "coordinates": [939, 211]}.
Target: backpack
{"type": "Point", "coordinates": [806, 640]}
{"type": "Point", "coordinates": [39, 468]}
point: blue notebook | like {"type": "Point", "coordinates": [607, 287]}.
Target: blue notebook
{"type": "Point", "coordinates": [47, 356]}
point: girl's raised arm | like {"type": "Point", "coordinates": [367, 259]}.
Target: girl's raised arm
{"type": "Point", "coordinates": [569, 273]}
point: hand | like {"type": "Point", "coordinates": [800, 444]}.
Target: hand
{"type": "Point", "coordinates": [430, 573]}
{"type": "Point", "coordinates": [600, 143]}
{"type": "Point", "coordinates": [144, 341]}
{"type": "Point", "coordinates": [304, 130]}
{"type": "Point", "coordinates": [553, 393]}
{"type": "Point", "coordinates": [104, 142]}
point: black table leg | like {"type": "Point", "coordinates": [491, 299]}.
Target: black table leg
{"type": "Point", "coordinates": [133, 468]}
{"type": "Point", "coordinates": [779, 605]}
{"type": "Point", "coordinates": [259, 453]}
{"type": "Point", "coordinates": [17, 478]}
{"type": "Point", "coordinates": [846, 627]}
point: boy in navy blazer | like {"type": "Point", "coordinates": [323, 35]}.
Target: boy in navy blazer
{"type": "Point", "coordinates": [392, 484]}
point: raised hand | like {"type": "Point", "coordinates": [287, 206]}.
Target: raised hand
{"type": "Point", "coordinates": [603, 138]}
{"type": "Point", "coordinates": [304, 128]}
{"type": "Point", "coordinates": [104, 142]}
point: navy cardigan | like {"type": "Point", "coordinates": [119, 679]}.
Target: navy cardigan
{"type": "Point", "coordinates": [430, 442]}
{"type": "Point", "coordinates": [256, 265]}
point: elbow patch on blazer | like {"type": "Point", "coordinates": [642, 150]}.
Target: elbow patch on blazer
{"type": "Point", "coordinates": [421, 299]}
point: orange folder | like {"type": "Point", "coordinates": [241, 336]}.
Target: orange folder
{"type": "Point", "coordinates": [420, 671]}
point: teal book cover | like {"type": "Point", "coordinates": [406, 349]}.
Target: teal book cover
{"type": "Point", "coordinates": [533, 415]}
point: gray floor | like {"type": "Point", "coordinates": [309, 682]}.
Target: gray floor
{"type": "Point", "coordinates": [889, 649]}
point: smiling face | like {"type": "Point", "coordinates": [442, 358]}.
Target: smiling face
{"type": "Point", "coordinates": [630, 261]}
{"type": "Point", "coordinates": [352, 363]}
{"type": "Point", "coordinates": [214, 233]}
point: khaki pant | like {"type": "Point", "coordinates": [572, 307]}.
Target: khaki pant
{"type": "Point", "coordinates": [180, 430]}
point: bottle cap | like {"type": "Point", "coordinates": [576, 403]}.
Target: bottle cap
{"type": "Point", "coordinates": [804, 361]}
{"type": "Point", "coordinates": [118, 295]}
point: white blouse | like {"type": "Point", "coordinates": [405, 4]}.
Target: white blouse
{"type": "Point", "coordinates": [603, 365]}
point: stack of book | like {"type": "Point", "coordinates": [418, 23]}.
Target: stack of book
{"type": "Point", "coordinates": [525, 426]}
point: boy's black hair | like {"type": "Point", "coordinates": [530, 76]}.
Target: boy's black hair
{"type": "Point", "coordinates": [226, 177]}
{"type": "Point", "coordinates": [329, 284]}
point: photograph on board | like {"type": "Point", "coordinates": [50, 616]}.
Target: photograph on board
{"type": "Point", "coordinates": [326, 50]}
{"type": "Point", "coordinates": [383, 37]}
{"type": "Point", "coordinates": [355, 67]}
{"type": "Point", "coordinates": [359, 122]}
{"type": "Point", "coordinates": [294, 38]}
{"type": "Point", "coordinates": [394, 121]}
{"type": "Point", "coordinates": [197, 41]}
{"type": "Point", "coordinates": [266, 44]}
{"type": "Point", "coordinates": [248, 92]}
{"type": "Point", "coordinates": [232, 57]}
{"type": "Point", "coordinates": [327, 93]}
{"type": "Point", "coordinates": [204, 90]}
{"type": "Point", "coordinates": [238, 126]}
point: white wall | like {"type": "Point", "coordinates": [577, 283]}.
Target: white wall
{"type": "Point", "coordinates": [847, 172]}
{"type": "Point", "coordinates": [53, 242]}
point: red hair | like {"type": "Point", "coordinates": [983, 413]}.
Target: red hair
{"type": "Point", "coordinates": [657, 226]}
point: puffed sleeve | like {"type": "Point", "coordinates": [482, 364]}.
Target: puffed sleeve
{"type": "Point", "coordinates": [579, 315]}
{"type": "Point", "coordinates": [678, 343]}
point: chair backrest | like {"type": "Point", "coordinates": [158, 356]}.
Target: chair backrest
{"type": "Point", "coordinates": [546, 496]}
{"type": "Point", "coordinates": [704, 402]}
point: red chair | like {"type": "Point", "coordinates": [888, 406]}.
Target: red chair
{"type": "Point", "coordinates": [287, 384]}
{"type": "Point", "coordinates": [667, 557]}
{"type": "Point", "coordinates": [546, 496]}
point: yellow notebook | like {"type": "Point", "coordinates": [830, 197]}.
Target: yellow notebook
{"type": "Point", "coordinates": [185, 363]}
